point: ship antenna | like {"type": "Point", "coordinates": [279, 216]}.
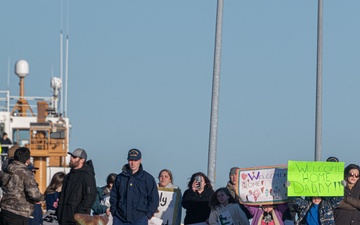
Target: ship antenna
{"type": "Point", "coordinates": [66, 61]}
{"type": "Point", "coordinates": [61, 68]}
{"type": "Point", "coordinates": [66, 73]}
{"type": "Point", "coordinates": [8, 82]}
{"type": "Point", "coordinates": [61, 54]}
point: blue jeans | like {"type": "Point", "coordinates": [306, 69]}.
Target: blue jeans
{"type": "Point", "coordinates": [141, 221]}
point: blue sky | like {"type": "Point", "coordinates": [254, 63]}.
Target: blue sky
{"type": "Point", "coordinates": [140, 75]}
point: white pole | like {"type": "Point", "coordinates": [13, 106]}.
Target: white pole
{"type": "Point", "coordinates": [66, 73]}
{"type": "Point", "coordinates": [215, 95]}
{"type": "Point", "coordinates": [61, 72]}
{"type": "Point", "coordinates": [318, 119]}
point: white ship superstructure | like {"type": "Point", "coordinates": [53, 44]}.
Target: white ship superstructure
{"type": "Point", "coordinates": [35, 122]}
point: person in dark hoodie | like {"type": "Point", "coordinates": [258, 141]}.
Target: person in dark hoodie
{"type": "Point", "coordinates": [196, 199]}
{"type": "Point", "coordinates": [78, 192]}
{"type": "Point", "coordinates": [134, 197]}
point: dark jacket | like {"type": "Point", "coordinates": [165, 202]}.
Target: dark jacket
{"type": "Point", "coordinates": [97, 207]}
{"type": "Point", "coordinates": [196, 205]}
{"type": "Point", "coordinates": [326, 208]}
{"type": "Point", "coordinates": [78, 193]}
{"type": "Point", "coordinates": [7, 141]}
{"type": "Point", "coordinates": [20, 189]}
{"type": "Point", "coordinates": [134, 196]}
{"type": "Point", "coordinates": [51, 199]}
{"type": "Point", "coordinates": [345, 215]}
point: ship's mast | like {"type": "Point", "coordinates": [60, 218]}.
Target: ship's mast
{"type": "Point", "coordinates": [21, 107]}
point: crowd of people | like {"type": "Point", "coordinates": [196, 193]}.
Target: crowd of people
{"type": "Point", "coordinates": [132, 197]}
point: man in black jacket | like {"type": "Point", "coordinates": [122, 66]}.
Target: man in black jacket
{"type": "Point", "coordinates": [78, 192]}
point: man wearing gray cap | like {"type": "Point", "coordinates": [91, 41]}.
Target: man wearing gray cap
{"type": "Point", "coordinates": [134, 197]}
{"type": "Point", "coordinates": [78, 191]}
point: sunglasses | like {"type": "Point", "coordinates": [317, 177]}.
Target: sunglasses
{"type": "Point", "coordinates": [353, 175]}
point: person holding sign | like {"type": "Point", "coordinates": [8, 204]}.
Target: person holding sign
{"type": "Point", "coordinates": [315, 210]}
{"type": "Point", "coordinates": [166, 181]}
{"type": "Point", "coordinates": [320, 184]}
{"type": "Point", "coordinates": [196, 199]}
{"type": "Point", "coordinates": [349, 212]}
{"type": "Point", "coordinates": [225, 210]}
{"type": "Point", "coordinates": [267, 214]}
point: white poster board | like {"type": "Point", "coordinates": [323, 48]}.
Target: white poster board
{"type": "Point", "coordinates": [262, 185]}
{"type": "Point", "coordinates": [169, 203]}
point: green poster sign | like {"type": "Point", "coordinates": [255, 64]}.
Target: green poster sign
{"type": "Point", "coordinates": [315, 178]}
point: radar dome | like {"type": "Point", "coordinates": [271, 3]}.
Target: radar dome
{"type": "Point", "coordinates": [56, 83]}
{"type": "Point", "coordinates": [22, 68]}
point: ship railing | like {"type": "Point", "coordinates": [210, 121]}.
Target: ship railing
{"type": "Point", "coordinates": [32, 98]}
{"type": "Point", "coordinates": [4, 98]}
{"type": "Point", "coordinates": [8, 102]}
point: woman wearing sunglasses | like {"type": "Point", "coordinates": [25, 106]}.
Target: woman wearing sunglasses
{"type": "Point", "coordinates": [349, 211]}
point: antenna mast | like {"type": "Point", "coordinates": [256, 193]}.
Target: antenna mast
{"type": "Point", "coordinates": [66, 73]}
{"type": "Point", "coordinates": [67, 58]}
{"type": "Point", "coordinates": [8, 83]}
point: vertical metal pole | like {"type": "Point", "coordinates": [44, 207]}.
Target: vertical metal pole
{"type": "Point", "coordinates": [318, 119]}
{"type": "Point", "coordinates": [215, 95]}
{"type": "Point", "coordinates": [8, 83]}
{"type": "Point", "coordinates": [66, 75]}
{"type": "Point", "coordinates": [61, 72]}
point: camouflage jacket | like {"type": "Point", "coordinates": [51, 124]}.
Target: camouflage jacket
{"type": "Point", "coordinates": [326, 208]}
{"type": "Point", "coordinates": [20, 190]}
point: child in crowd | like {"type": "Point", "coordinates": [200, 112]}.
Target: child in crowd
{"type": "Point", "coordinates": [224, 208]}
{"type": "Point", "coordinates": [315, 210]}
{"type": "Point", "coordinates": [52, 192]}
{"type": "Point", "coordinates": [267, 214]}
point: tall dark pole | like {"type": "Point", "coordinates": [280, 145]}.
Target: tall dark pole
{"type": "Point", "coordinates": [215, 95]}
{"type": "Point", "coordinates": [318, 119]}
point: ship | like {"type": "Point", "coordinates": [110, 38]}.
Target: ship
{"type": "Point", "coordinates": [36, 123]}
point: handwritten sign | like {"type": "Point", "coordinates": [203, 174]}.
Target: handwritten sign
{"type": "Point", "coordinates": [315, 178]}
{"type": "Point", "coordinates": [262, 185]}
{"type": "Point", "coordinates": [169, 203]}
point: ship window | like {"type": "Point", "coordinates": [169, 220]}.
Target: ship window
{"type": "Point", "coordinates": [60, 134]}
{"type": "Point", "coordinates": [21, 136]}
